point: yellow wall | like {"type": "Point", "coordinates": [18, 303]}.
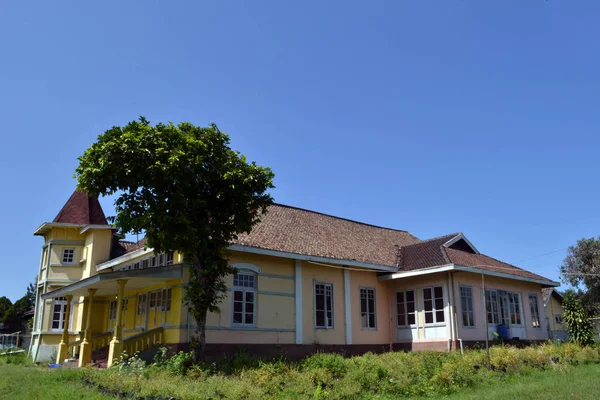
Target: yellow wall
{"type": "Point", "coordinates": [553, 308]}
{"type": "Point", "coordinates": [381, 335]}
{"type": "Point", "coordinates": [97, 249]}
{"type": "Point", "coordinates": [417, 283]}
{"type": "Point", "coordinates": [312, 273]}
{"type": "Point", "coordinates": [524, 288]}
{"type": "Point", "coordinates": [275, 304]}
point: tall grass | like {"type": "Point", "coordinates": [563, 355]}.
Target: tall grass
{"type": "Point", "coordinates": [394, 374]}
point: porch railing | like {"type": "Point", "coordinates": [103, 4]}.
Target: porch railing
{"type": "Point", "coordinates": [98, 341]}
{"type": "Point", "coordinates": [143, 341]}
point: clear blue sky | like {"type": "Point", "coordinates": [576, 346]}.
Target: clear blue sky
{"type": "Point", "coordinates": [428, 116]}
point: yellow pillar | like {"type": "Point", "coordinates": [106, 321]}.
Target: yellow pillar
{"type": "Point", "coordinates": [62, 347]}
{"type": "Point", "coordinates": [85, 353]}
{"type": "Point", "coordinates": [116, 344]}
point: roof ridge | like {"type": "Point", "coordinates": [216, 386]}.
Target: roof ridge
{"type": "Point", "coordinates": [434, 238]}
{"type": "Point", "coordinates": [344, 219]}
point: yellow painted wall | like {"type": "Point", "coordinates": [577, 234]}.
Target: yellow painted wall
{"type": "Point", "coordinates": [524, 288]}
{"type": "Point", "coordinates": [273, 310]}
{"type": "Point", "coordinates": [97, 249]}
{"type": "Point", "coordinates": [382, 334]}
{"type": "Point", "coordinates": [314, 273]}
{"type": "Point", "coordinates": [417, 283]}
{"type": "Point", "coordinates": [553, 308]}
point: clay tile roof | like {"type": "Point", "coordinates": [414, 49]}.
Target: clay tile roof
{"type": "Point", "coordinates": [300, 231]}
{"type": "Point", "coordinates": [432, 253]}
{"type": "Point", "coordinates": [425, 254]}
{"type": "Point", "coordinates": [122, 247]}
{"type": "Point", "coordinates": [481, 261]}
{"type": "Point", "coordinates": [81, 209]}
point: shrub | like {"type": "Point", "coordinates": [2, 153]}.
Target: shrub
{"type": "Point", "coordinates": [180, 363]}
{"type": "Point", "coordinates": [576, 319]}
{"type": "Point", "coordinates": [335, 364]}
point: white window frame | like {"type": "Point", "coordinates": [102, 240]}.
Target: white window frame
{"type": "Point", "coordinates": [62, 317]}
{"type": "Point", "coordinates": [329, 322]}
{"type": "Point", "coordinates": [169, 258]}
{"type": "Point", "coordinates": [511, 298]}
{"type": "Point", "coordinates": [145, 263]}
{"type": "Point", "coordinates": [244, 290]}
{"type": "Point", "coordinates": [536, 309]}
{"type": "Point", "coordinates": [467, 307]}
{"type": "Point", "coordinates": [161, 259]}
{"type": "Point", "coordinates": [68, 252]}
{"type": "Point", "coordinates": [557, 317]}
{"type": "Point", "coordinates": [495, 307]}
{"type": "Point", "coordinates": [405, 306]}
{"type": "Point", "coordinates": [141, 313]}
{"type": "Point", "coordinates": [368, 311]}
{"type": "Point", "coordinates": [434, 310]}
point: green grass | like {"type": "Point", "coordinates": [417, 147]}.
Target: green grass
{"type": "Point", "coordinates": [543, 372]}
{"type": "Point", "coordinates": [26, 381]}
{"type": "Point", "coordinates": [574, 383]}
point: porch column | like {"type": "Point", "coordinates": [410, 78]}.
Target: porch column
{"type": "Point", "coordinates": [85, 352]}
{"type": "Point", "coordinates": [64, 341]}
{"type": "Point", "coordinates": [116, 344]}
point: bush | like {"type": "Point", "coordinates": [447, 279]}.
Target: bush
{"type": "Point", "coordinates": [576, 319]}
{"type": "Point", "coordinates": [331, 376]}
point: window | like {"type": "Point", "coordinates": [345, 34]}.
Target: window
{"type": "Point", "coordinates": [152, 300]}
{"type": "Point", "coordinates": [153, 261]}
{"type": "Point", "coordinates": [145, 263]}
{"type": "Point", "coordinates": [170, 258]}
{"type": "Point", "coordinates": [514, 303]}
{"type": "Point", "coordinates": [161, 259]}
{"type": "Point", "coordinates": [405, 308]}
{"type": "Point", "coordinates": [141, 304]}
{"type": "Point", "coordinates": [112, 310]}
{"type": "Point", "coordinates": [59, 313]}
{"type": "Point", "coordinates": [491, 305]}
{"type": "Point", "coordinates": [136, 265]}
{"type": "Point", "coordinates": [244, 299]}
{"type": "Point", "coordinates": [433, 305]}
{"type": "Point", "coordinates": [324, 305]}
{"type": "Point", "coordinates": [166, 300]}
{"type": "Point", "coordinates": [535, 312]}
{"type": "Point", "coordinates": [68, 256]}
{"type": "Point", "coordinates": [367, 308]}
{"type": "Point", "coordinates": [558, 319]}
{"type": "Point", "coordinates": [466, 303]}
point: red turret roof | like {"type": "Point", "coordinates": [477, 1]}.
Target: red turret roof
{"type": "Point", "coordinates": [81, 209]}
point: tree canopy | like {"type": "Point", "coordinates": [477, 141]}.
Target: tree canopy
{"type": "Point", "coordinates": [580, 267]}
{"type": "Point", "coordinates": [187, 190]}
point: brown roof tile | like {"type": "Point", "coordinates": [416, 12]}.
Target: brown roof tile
{"type": "Point", "coordinates": [300, 231]}
{"type": "Point", "coordinates": [432, 253]}
{"type": "Point", "coordinates": [425, 254]}
{"type": "Point", "coordinates": [481, 261]}
{"type": "Point", "coordinates": [81, 209]}
{"type": "Point", "coordinates": [122, 247]}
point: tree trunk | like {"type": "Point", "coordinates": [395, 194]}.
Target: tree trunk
{"type": "Point", "coordinates": [199, 308]}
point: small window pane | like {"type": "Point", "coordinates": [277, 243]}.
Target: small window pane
{"type": "Point", "coordinates": [237, 317]}
{"type": "Point", "coordinates": [429, 318]}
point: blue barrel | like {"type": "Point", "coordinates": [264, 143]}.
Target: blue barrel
{"type": "Point", "coordinates": [503, 331]}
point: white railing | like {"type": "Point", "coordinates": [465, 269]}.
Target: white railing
{"type": "Point", "coordinates": [9, 341]}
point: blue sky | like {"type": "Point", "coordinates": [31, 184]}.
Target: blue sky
{"type": "Point", "coordinates": [432, 117]}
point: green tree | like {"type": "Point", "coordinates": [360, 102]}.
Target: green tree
{"type": "Point", "coordinates": [187, 190]}
{"type": "Point", "coordinates": [581, 267]}
{"type": "Point", "coordinates": [577, 322]}
{"type": "Point", "coordinates": [5, 304]}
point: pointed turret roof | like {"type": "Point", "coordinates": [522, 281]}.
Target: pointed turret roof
{"type": "Point", "coordinates": [81, 209]}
